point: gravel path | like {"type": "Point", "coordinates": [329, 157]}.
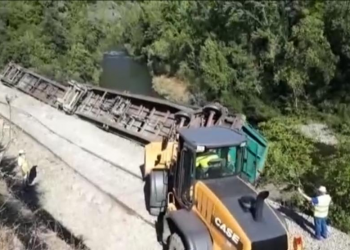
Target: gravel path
{"type": "Point", "coordinates": [91, 196]}
{"type": "Point", "coordinates": [302, 225]}
{"type": "Point", "coordinates": [21, 227]}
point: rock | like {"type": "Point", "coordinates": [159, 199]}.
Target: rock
{"type": "Point", "coordinates": [320, 132]}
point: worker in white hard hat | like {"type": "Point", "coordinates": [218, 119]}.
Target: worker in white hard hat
{"type": "Point", "coordinates": [24, 166]}
{"type": "Point", "coordinates": [321, 204]}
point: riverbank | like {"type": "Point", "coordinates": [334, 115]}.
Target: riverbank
{"type": "Point", "coordinates": [171, 88]}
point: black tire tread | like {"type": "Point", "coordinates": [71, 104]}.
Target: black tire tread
{"type": "Point", "coordinates": [175, 242]}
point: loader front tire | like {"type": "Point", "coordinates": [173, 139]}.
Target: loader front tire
{"type": "Point", "coordinates": [176, 243]}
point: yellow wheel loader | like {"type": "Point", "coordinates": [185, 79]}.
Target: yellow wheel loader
{"type": "Point", "coordinates": [198, 189]}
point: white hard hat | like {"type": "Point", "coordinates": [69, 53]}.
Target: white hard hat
{"type": "Point", "coordinates": [21, 152]}
{"type": "Point", "coordinates": [322, 189]}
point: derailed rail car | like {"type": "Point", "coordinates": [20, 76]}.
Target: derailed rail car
{"type": "Point", "coordinates": [142, 118]}
{"type": "Point", "coordinates": [33, 84]}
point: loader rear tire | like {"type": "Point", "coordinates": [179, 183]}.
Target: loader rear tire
{"type": "Point", "coordinates": [176, 243]}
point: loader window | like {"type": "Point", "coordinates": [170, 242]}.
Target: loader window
{"type": "Point", "coordinates": [184, 176]}
{"type": "Point", "coordinates": [218, 162]}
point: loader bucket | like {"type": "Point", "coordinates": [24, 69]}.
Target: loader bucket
{"type": "Point", "coordinates": [158, 157]}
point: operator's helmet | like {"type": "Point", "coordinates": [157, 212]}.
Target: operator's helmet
{"type": "Point", "coordinates": [21, 152]}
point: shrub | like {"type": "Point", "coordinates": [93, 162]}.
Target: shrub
{"type": "Point", "coordinates": [294, 159]}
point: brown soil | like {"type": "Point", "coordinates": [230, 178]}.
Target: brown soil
{"type": "Point", "coordinates": [171, 88]}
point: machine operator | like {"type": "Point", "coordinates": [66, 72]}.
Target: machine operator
{"type": "Point", "coordinates": [203, 159]}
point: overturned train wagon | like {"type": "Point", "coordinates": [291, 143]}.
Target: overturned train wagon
{"type": "Point", "coordinates": [145, 118]}
{"type": "Point", "coordinates": [151, 119]}
{"type": "Point", "coordinates": [138, 117]}
{"type": "Point", "coordinates": [33, 84]}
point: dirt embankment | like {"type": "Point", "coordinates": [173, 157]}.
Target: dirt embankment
{"type": "Point", "coordinates": [24, 224]}
{"type": "Point", "coordinates": [171, 88]}
{"type": "Point", "coordinates": [80, 182]}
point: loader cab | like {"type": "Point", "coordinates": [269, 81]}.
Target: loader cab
{"type": "Point", "coordinates": [207, 153]}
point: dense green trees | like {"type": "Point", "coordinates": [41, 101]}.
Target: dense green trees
{"type": "Point", "coordinates": [272, 56]}
{"type": "Point", "coordinates": [284, 54]}
{"type": "Point", "coordinates": [296, 160]}
{"type": "Point", "coordinates": [63, 39]}
{"type": "Point", "coordinates": [268, 59]}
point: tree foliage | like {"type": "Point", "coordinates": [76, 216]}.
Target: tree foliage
{"type": "Point", "coordinates": [286, 144]}
{"type": "Point", "coordinates": [283, 53]}
{"type": "Point", "coordinates": [59, 38]}
{"type": "Point", "coordinates": [296, 160]}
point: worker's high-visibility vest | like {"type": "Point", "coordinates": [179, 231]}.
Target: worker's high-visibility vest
{"type": "Point", "coordinates": [24, 165]}
{"type": "Point", "coordinates": [203, 160]}
{"type": "Point", "coordinates": [322, 207]}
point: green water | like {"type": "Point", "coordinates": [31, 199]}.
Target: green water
{"type": "Point", "coordinates": [121, 72]}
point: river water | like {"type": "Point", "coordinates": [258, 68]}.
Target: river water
{"type": "Point", "coordinates": [121, 72]}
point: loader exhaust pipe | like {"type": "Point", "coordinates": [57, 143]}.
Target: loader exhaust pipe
{"type": "Point", "coordinates": [259, 205]}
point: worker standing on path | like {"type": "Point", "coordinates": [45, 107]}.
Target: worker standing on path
{"type": "Point", "coordinates": [24, 166]}
{"type": "Point", "coordinates": [321, 206]}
